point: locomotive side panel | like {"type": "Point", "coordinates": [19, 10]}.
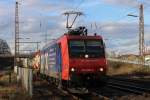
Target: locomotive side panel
{"type": "Point", "coordinates": [58, 61]}
{"type": "Point", "coordinates": [48, 61]}
{"type": "Point", "coordinates": [65, 58]}
{"type": "Point", "coordinates": [51, 68]}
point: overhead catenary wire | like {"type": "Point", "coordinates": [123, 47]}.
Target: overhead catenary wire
{"type": "Point", "coordinates": [79, 5]}
{"type": "Point", "coordinates": [119, 18]}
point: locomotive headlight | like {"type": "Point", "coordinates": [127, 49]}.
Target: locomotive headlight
{"type": "Point", "coordinates": [101, 69]}
{"type": "Point", "coordinates": [86, 56]}
{"type": "Point", "coordinates": [72, 69]}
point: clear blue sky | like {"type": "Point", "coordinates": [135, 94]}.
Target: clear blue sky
{"type": "Point", "coordinates": [40, 17]}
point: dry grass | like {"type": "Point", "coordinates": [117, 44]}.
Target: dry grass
{"type": "Point", "coordinates": [13, 90]}
{"type": "Point", "coordinates": [122, 68]}
{"type": "Point", "coordinates": [134, 97]}
{"type": "Point", "coordinates": [4, 79]}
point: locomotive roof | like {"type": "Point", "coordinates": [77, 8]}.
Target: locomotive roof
{"type": "Point", "coordinates": [90, 37]}
{"type": "Point", "coordinates": [80, 37]}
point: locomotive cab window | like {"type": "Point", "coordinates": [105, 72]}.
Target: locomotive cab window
{"type": "Point", "coordinates": [95, 48]}
{"type": "Point", "coordinates": [78, 48]}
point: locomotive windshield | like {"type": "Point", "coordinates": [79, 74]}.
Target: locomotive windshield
{"type": "Point", "coordinates": [94, 48]}
{"type": "Point", "coordinates": [77, 46]}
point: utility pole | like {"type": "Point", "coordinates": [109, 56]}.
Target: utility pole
{"type": "Point", "coordinates": [37, 48]}
{"type": "Point", "coordinates": [16, 55]}
{"type": "Point", "coordinates": [46, 38]}
{"type": "Point", "coordinates": [141, 34]}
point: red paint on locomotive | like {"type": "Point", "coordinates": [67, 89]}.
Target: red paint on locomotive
{"type": "Point", "coordinates": [59, 62]}
{"type": "Point", "coordinates": [65, 57]}
{"type": "Point", "coordinates": [81, 65]}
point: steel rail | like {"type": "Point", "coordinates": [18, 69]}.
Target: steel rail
{"type": "Point", "coordinates": [101, 97]}
{"type": "Point", "coordinates": [128, 87]}
{"type": "Point", "coordinates": [132, 85]}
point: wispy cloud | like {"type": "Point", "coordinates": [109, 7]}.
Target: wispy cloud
{"type": "Point", "coordinates": [131, 3]}
{"type": "Point", "coordinates": [41, 17]}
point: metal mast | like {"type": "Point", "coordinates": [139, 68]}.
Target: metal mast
{"type": "Point", "coordinates": [16, 35]}
{"type": "Point", "coordinates": [141, 34]}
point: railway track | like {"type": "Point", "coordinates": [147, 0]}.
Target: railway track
{"type": "Point", "coordinates": [87, 96]}
{"type": "Point", "coordinates": [118, 87]}
{"type": "Point", "coordinates": [47, 91]}
{"type": "Point", "coordinates": [91, 96]}
{"type": "Point", "coordinates": [127, 86]}
{"type": "Point", "coordinates": [101, 97]}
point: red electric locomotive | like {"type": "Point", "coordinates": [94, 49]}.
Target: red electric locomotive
{"type": "Point", "coordinates": [75, 59]}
